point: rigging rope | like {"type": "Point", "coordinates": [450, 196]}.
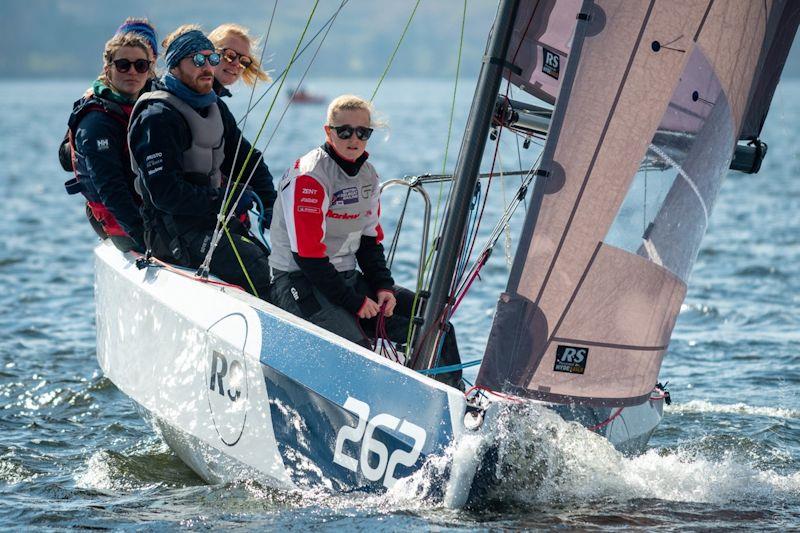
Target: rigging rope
{"type": "Point", "coordinates": [221, 219]}
{"type": "Point", "coordinates": [424, 278]}
{"type": "Point", "coordinates": [300, 53]}
{"type": "Point", "coordinates": [396, 48]}
{"type": "Point", "coordinates": [303, 77]}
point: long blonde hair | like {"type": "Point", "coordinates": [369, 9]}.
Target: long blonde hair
{"type": "Point", "coordinates": [119, 41]}
{"type": "Point", "coordinates": [254, 71]}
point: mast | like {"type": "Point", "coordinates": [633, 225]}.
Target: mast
{"type": "Point", "coordinates": [464, 180]}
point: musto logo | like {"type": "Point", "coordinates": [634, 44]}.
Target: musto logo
{"type": "Point", "coordinates": [571, 359]}
{"type": "Point", "coordinates": [227, 395]}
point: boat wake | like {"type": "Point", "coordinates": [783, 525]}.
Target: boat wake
{"type": "Point", "coordinates": [549, 461]}
{"type": "Point", "coordinates": [543, 462]}
{"type": "Point", "coordinates": [704, 406]}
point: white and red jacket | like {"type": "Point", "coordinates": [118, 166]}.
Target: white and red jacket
{"type": "Point", "coordinates": [326, 220]}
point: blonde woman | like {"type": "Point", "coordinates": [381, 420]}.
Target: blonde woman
{"type": "Point", "coordinates": [235, 45]}
{"type": "Point", "coordinates": [98, 140]}
{"type": "Point", "coordinates": [326, 223]}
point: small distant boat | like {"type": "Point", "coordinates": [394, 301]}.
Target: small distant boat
{"type": "Point", "coordinates": [301, 96]}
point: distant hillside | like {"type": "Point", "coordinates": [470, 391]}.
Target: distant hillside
{"type": "Point", "coordinates": [64, 38]}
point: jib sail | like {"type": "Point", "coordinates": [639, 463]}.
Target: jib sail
{"type": "Point", "coordinates": [650, 108]}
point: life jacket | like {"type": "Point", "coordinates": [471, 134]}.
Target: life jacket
{"type": "Point", "coordinates": [77, 184]}
{"type": "Point", "coordinates": [203, 158]}
{"type": "Point", "coordinates": [201, 163]}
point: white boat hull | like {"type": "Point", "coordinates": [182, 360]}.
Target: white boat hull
{"type": "Point", "coordinates": [242, 389]}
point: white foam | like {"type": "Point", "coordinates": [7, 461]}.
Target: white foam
{"type": "Point", "coordinates": [544, 460]}
{"type": "Point", "coordinates": [704, 406]}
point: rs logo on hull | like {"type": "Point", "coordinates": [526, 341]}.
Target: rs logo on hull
{"type": "Point", "coordinates": [221, 369]}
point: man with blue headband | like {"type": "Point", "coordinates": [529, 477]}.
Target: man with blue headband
{"type": "Point", "coordinates": [184, 143]}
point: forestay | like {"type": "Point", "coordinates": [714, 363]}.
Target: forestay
{"type": "Point", "coordinates": [606, 249]}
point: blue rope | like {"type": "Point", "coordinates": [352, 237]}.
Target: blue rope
{"type": "Point", "coordinates": [260, 216]}
{"type": "Point", "coordinates": [449, 368]}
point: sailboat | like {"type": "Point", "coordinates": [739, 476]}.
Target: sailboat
{"type": "Point", "coordinates": [651, 99]}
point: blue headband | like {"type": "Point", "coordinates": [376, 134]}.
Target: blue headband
{"type": "Point", "coordinates": [143, 29]}
{"type": "Point", "coordinates": [184, 45]}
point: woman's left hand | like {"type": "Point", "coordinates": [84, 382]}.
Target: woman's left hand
{"type": "Point", "coordinates": [387, 297]}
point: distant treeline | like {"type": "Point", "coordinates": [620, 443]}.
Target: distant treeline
{"type": "Point", "coordinates": [64, 38]}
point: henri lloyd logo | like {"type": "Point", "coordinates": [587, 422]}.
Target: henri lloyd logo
{"type": "Point", "coordinates": [551, 63]}
{"type": "Point", "coordinates": [571, 359]}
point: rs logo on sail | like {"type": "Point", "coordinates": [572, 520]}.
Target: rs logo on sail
{"type": "Point", "coordinates": [571, 359]}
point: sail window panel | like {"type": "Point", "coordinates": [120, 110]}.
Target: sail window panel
{"type": "Point", "coordinates": [666, 211]}
{"type": "Point", "coordinates": [540, 44]}
{"type": "Point", "coordinates": [619, 96]}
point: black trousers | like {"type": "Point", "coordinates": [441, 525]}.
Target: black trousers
{"type": "Point", "coordinates": [190, 248]}
{"type": "Point", "coordinates": [294, 292]}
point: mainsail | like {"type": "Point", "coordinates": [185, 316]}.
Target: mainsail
{"type": "Point", "coordinates": [606, 249]}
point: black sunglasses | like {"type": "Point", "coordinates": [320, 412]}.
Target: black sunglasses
{"type": "Point", "coordinates": [232, 55]}
{"type": "Point", "coordinates": [200, 59]}
{"type": "Point", "coordinates": [345, 131]}
{"type": "Point", "coordinates": [124, 65]}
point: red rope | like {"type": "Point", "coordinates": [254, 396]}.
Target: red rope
{"type": "Point", "coordinates": [192, 277]}
{"type": "Point", "coordinates": [607, 421]}
{"type": "Point", "coordinates": [500, 394]}
{"type": "Point", "coordinates": [463, 292]}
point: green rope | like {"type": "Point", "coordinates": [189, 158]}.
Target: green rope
{"type": "Point", "coordinates": [414, 304]}
{"type": "Point", "coordinates": [271, 105]}
{"type": "Point", "coordinates": [252, 148]}
{"type": "Point", "coordinates": [436, 220]}
{"type": "Point", "coordinates": [241, 263]}
{"type": "Point", "coordinates": [425, 267]}
{"type": "Point", "coordinates": [396, 48]}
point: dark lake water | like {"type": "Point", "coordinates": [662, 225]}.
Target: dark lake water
{"type": "Point", "coordinates": [74, 453]}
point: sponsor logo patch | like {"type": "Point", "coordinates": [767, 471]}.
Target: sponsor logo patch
{"type": "Point", "coordinates": [551, 63]}
{"type": "Point", "coordinates": [571, 359]}
{"type": "Point", "coordinates": [366, 191]}
{"type": "Point", "coordinates": [102, 144]}
{"type": "Point", "coordinates": [345, 196]}
{"type": "Point", "coordinates": [308, 209]}
{"type": "Point", "coordinates": [342, 216]}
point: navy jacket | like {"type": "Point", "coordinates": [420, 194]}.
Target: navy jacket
{"type": "Point", "coordinates": [103, 163]}
{"type": "Point", "coordinates": [159, 130]}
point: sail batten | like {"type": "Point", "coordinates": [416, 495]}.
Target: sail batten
{"type": "Point", "coordinates": [593, 302]}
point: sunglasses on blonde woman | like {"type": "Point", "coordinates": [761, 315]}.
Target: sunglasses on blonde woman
{"type": "Point", "coordinates": [345, 131]}
{"type": "Point", "coordinates": [232, 55]}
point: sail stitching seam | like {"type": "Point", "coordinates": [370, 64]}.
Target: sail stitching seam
{"type": "Point", "coordinates": [703, 21]}
{"type": "Point", "coordinates": [572, 297]}
{"type": "Point", "coordinates": [611, 345]}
